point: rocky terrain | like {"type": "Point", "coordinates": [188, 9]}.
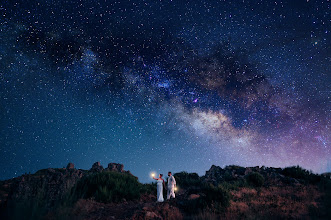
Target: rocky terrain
{"type": "Point", "coordinates": [232, 192]}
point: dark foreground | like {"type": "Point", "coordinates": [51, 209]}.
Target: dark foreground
{"type": "Point", "coordinates": [113, 193]}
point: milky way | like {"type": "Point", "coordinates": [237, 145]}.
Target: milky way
{"type": "Point", "coordinates": [164, 85]}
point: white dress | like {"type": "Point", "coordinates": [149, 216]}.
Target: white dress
{"type": "Point", "coordinates": [160, 191]}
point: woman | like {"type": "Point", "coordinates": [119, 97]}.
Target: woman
{"type": "Point", "coordinates": [160, 184]}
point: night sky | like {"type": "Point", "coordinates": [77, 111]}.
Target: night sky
{"type": "Point", "coordinates": [164, 85]}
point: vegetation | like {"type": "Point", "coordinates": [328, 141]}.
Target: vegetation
{"type": "Point", "coordinates": [197, 199]}
{"type": "Point", "coordinates": [148, 188]}
{"type": "Point", "coordinates": [217, 198]}
{"type": "Point", "coordinates": [301, 174]}
{"type": "Point", "coordinates": [328, 198]}
{"type": "Point", "coordinates": [325, 186]}
{"type": "Point", "coordinates": [211, 198]}
{"type": "Point", "coordinates": [255, 179]}
{"type": "Point", "coordinates": [34, 208]}
{"type": "Point", "coordinates": [184, 179]}
{"type": "Point", "coordinates": [108, 187]}
{"type": "Point", "coordinates": [227, 176]}
{"type": "Point", "coordinates": [234, 185]}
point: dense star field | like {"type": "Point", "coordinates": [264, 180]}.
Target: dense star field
{"type": "Point", "coordinates": [164, 85]}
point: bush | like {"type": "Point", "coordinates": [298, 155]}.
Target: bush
{"type": "Point", "coordinates": [217, 198]}
{"type": "Point", "coordinates": [302, 174]}
{"type": "Point", "coordinates": [325, 187]}
{"type": "Point", "coordinates": [24, 207]}
{"type": "Point", "coordinates": [214, 199]}
{"type": "Point", "coordinates": [296, 172]}
{"type": "Point", "coordinates": [184, 179]}
{"type": "Point", "coordinates": [255, 179]}
{"type": "Point", "coordinates": [107, 187]}
{"type": "Point", "coordinates": [227, 176]}
{"type": "Point", "coordinates": [149, 188]}
{"type": "Point", "coordinates": [234, 185]}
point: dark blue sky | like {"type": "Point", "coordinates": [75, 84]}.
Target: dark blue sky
{"type": "Point", "coordinates": [164, 85]}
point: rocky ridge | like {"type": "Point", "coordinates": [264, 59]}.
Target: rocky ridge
{"type": "Point", "coordinates": [272, 176]}
{"type": "Point", "coordinates": [54, 182]}
{"type": "Point", "coordinates": [51, 185]}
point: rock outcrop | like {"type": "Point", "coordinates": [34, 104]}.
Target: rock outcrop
{"type": "Point", "coordinates": [44, 191]}
{"type": "Point", "coordinates": [48, 185]}
{"type": "Point", "coordinates": [115, 167]}
{"type": "Point", "coordinates": [96, 167]}
{"type": "Point", "coordinates": [70, 166]}
{"type": "Point", "coordinates": [273, 176]}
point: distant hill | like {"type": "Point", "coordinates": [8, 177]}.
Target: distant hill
{"type": "Point", "coordinates": [232, 192]}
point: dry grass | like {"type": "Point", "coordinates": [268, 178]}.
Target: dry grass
{"type": "Point", "coordinates": [274, 202]}
{"type": "Point", "coordinates": [204, 215]}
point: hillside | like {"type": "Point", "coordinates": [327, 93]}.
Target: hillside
{"type": "Point", "coordinates": [232, 192]}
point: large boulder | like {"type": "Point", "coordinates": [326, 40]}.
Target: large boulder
{"type": "Point", "coordinates": [70, 166]}
{"type": "Point", "coordinates": [213, 175]}
{"type": "Point", "coordinates": [115, 167]}
{"type": "Point", "coordinates": [96, 167]}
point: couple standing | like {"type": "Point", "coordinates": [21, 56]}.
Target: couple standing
{"type": "Point", "coordinates": [170, 189]}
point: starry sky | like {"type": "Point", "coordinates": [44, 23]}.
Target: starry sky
{"type": "Point", "coordinates": [161, 85]}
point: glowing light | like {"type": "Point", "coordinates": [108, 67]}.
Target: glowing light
{"type": "Point", "coordinates": [152, 174]}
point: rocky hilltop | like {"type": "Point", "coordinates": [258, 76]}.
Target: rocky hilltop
{"type": "Point", "coordinates": [272, 176]}
{"type": "Point", "coordinates": [48, 186]}
{"type": "Point", "coordinates": [112, 193]}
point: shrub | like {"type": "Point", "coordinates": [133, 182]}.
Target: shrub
{"type": "Point", "coordinates": [24, 207]}
{"type": "Point", "coordinates": [214, 199]}
{"type": "Point", "coordinates": [299, 173]}
{"type": "Point", "coordinates": [184, 179]}
{"type": "Point", "coordinates": [149, 188]}
{"type": "Point", "coordinates": [296, 172]}
{"type": "Point", "coordinates": [107, 187]}
{"type": "Point", "coordinates": [234, 185]}
{"type": "Point", "coordinates": [217, 198]}
{"type": "Point", "coordinates": [255, 179]}
{"type": "Point", "coordinates": [325, 187]}
{"type": "Point", "coordinates": [227, 176]}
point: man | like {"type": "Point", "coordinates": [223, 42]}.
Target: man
{"type": "Point", "coordinates": [171, 186]}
